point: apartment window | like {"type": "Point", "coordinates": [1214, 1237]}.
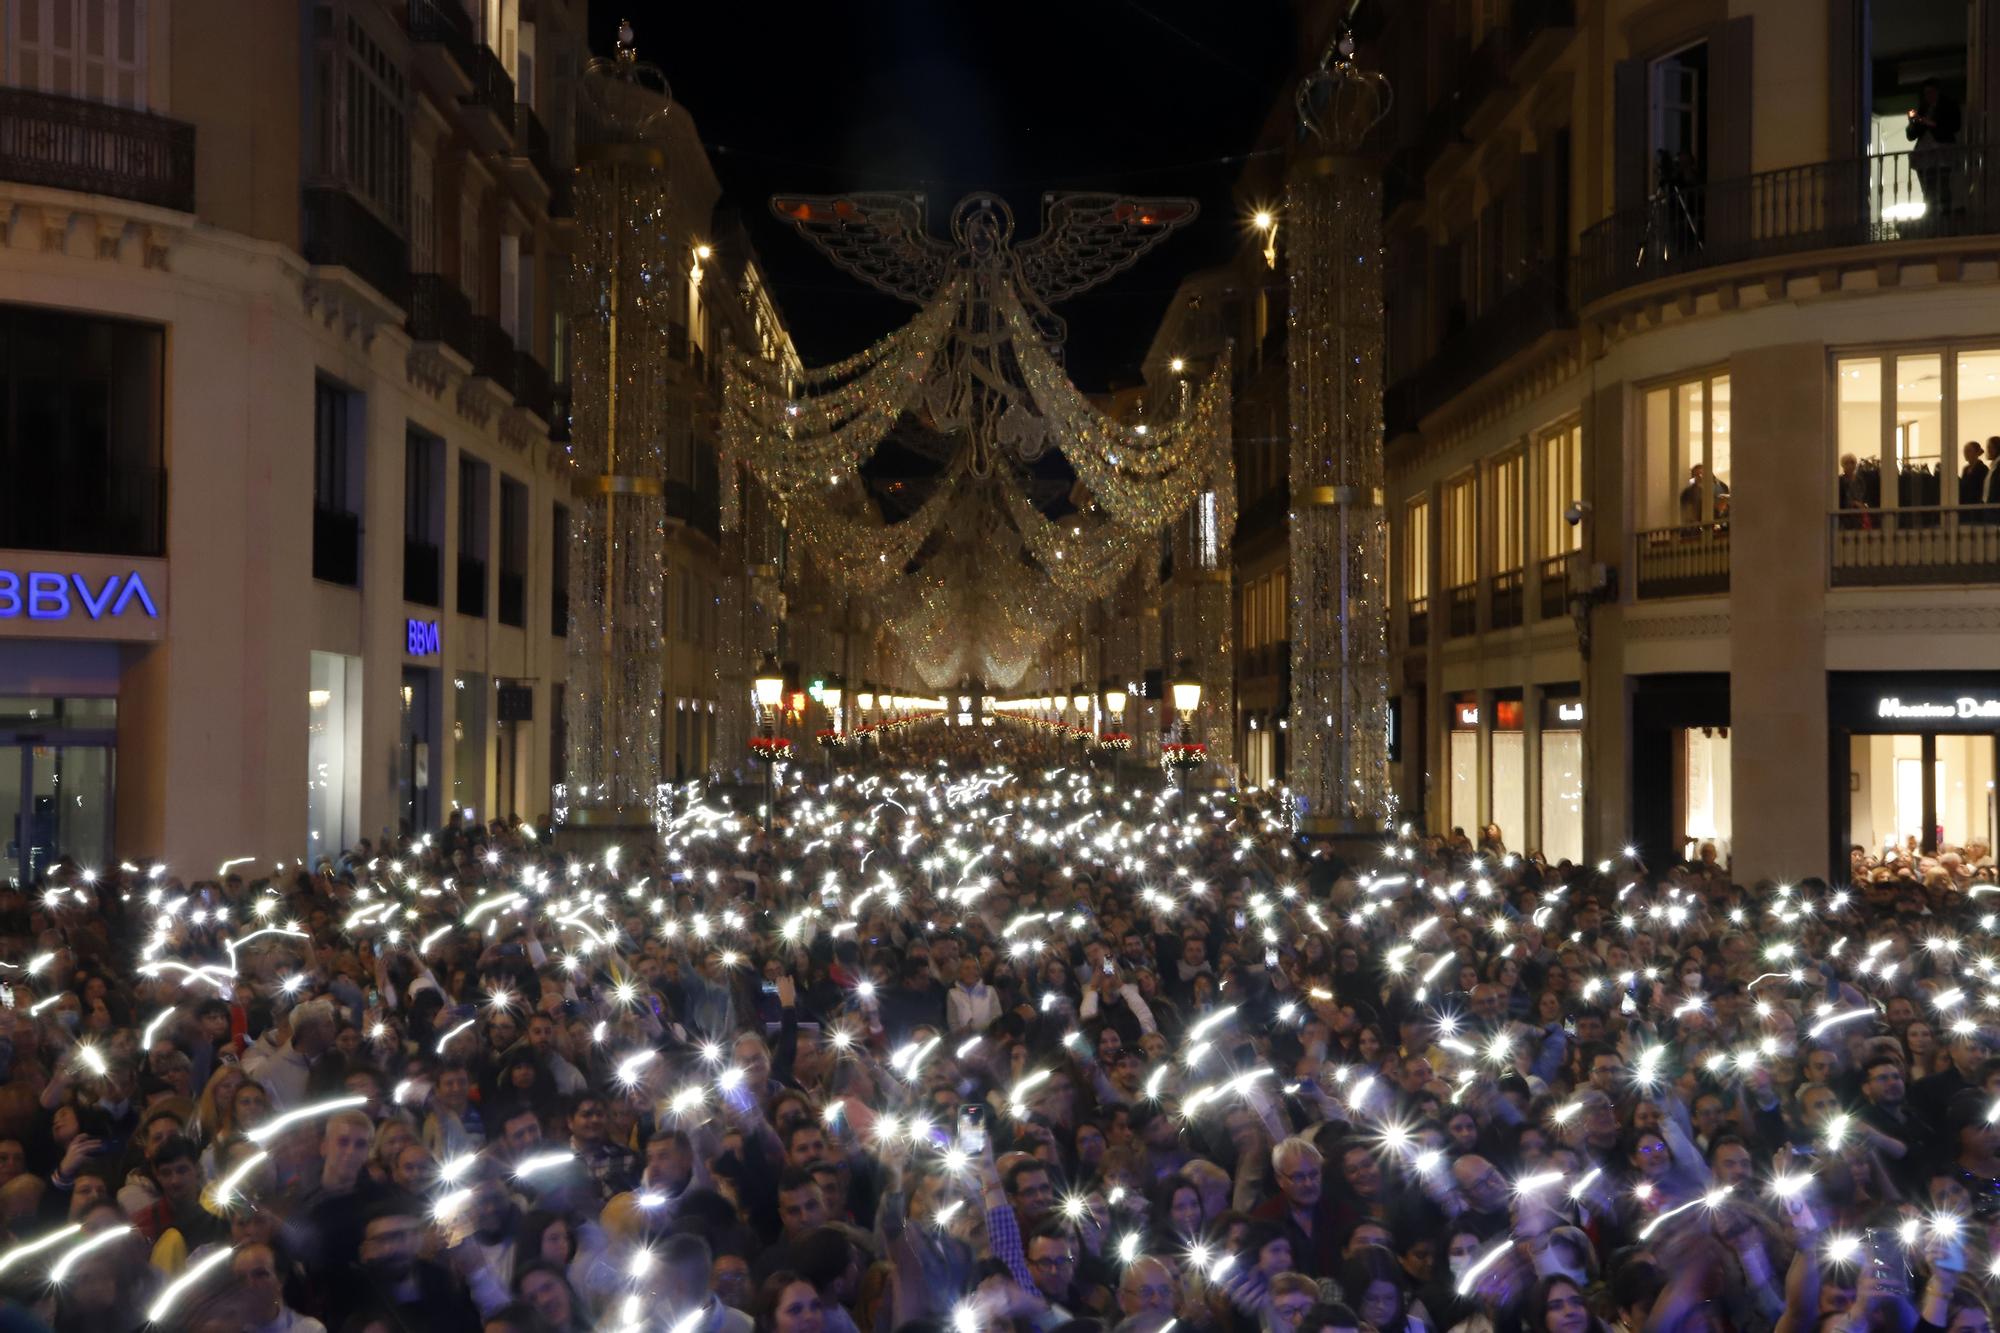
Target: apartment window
{"type": "Point", "coordinates": [559, 574]}
{"type": "Point", "coordinates": [360, 131]}
{"type": "Point", "coordinates": [423, 517]}
{"type": "Point", "coordinates": [1898, 415]}
{"type": "Point", "coordinates": [81, 440]}
{"type": "Point", "coordinates": [474, 503]}
{"type": "Point", "coordinates": [513, 553]}
{"type": "Point", "coordinates": [510, 286]}
{"type": "Point", "coordinates": [1677, 104]}
{"type": "Point", "coordinates": [1417, 552]}
{"type": "Point", "coordinates": [1559, 459]}
{"type": "Point", "coordinates": [1460, 554]}
{"type": "Point", "coordinates": [337, 455]}
{"type": "Point", "coordinates": [93, 49]}
{"type": "Point", "coordinates": [1687, 453]}
{"type": "Point", "coordinates": [1506, 478]}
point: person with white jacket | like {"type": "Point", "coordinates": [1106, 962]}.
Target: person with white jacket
{"type": "Point", "coordinates": [972, 1005]}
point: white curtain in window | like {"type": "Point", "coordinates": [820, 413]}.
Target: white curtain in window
{"type": "Point", "coordinates": [94, 49]}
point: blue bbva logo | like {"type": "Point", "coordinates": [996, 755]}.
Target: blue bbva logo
{"type": "Point", "coordinates": [48, 596]}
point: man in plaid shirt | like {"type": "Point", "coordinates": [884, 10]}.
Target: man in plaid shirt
{"type": "Point", "coordinates": [613, 1167]}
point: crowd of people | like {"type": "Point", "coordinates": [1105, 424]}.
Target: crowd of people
{"type": "Point", "coordinates": [956, 1047]}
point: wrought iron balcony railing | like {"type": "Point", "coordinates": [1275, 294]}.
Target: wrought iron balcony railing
{"type": "Point", "coordinates": [531, 386]}
{"type": "Point", "coordinates": [445, 23]}
{"type": "Point", "coordinates": [336, 547]}
{"type": "Point", "coordinates": [68, 143]}
{"type": "Point", "coordinates": [442, 313]}
{"type": "Point", "coordinates": [492, 88]}
{"type": "Point", "coordinates": [1931, 193]}
{"type": "Point", "coordinates": [493, 356]}
{"type": "Point", "coordinates": [423, 573]}
{"type": "Point", "coordinates": [341, 231]}
{"type": "Point", "coordinates": [1462, 610]}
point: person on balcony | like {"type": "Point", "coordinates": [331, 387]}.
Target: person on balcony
{"type": "Point", "coordinates": [1933, 127]}
{"type": "Point", "coordinates": [1972, 482]}
{"type": "Point", "coordinates": [1992, 492]}
{"type": "Point", "coordinates": [1704, 499]}
{"type": "Point", "coordinates": [1853, 496]}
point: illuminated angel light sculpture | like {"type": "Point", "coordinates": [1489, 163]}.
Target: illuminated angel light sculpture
{"type": "Point", "coordinates": [980, 363]}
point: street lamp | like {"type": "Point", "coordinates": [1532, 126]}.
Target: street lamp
{"type": "Point", "coordinates": [1114, 702]}
{"type": "Point", "coordinates": [770, 687]}
{"type": "Point", "coordinates": [1186, 687]}
{"type": "Point", "coordinates": [1187, 691]}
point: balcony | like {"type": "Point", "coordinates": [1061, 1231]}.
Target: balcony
{"type": "Point", "coordinates": [1418, 620]}
{"type": "Point", "coordinates": [492, 87]}
{"type": "Point", "coordinates": [1910, 546]}
{"type": "Point", "coordinates": [1537, 304]}
{"type": "Point", "coordinates": [444, 23]}
{"type": "Point", "coordinates": [558, 417]}
{"type": "Point", "coordinates": [1461, 610]}
{"type": "Point", "coordinates": [441, 313]}
{"type": "Point", "coordinates": [341, 231]}
{"type": "Point", "coordinates": [531, 386]}
{"type": "Point", "coordinates": [1509, 599]}
{"type": "Point", "coordinates": [471, 586]}
{"type": "Point", "coordinates": [513, 599]}
{"type": "Point", "coordinates": [1688, 560]}
{"type": "Point", "coordinates": [532, 139]}
{"type": "Point", "coordinates": [559, 612]}
{"type": "Point", "coordinates": [493, 352]}
{"type": "Point", "coordinates": [336, 547]}
{"type": "Point", "coordinates": [1555, 585]}
{"type": "Point", "coordinates": [67, 143]}
{"type": "Point", "coordinates": [1938, 193]}
{"type": "Point", "coordinates": [423, 573]}
{"type": "Point", "coordinates": [84, 509]}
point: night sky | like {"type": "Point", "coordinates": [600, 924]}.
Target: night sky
{"type": "Point", "coordinates": [1141, 96]}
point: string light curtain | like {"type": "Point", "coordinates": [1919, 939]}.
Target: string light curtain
{"type": "Point", "coordinates": [1339, 555]}
{"type": "Point", "coordinates": [623, 287]}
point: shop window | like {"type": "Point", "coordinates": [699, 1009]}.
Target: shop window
{"type": "Point", "coordinates": [471, 702]}
{"type": "Point", "coordinates": [333, 756]}
{"type": "Point", "coordinates": [1706, 790]}
{"type": "Point", "coordinates": [1463, 760]}
{"type": "Point", "coordinates": [1507, 794]}
{"type": "Point", "coordinates": [1562, 779]}
{"type": "Point", "coordinates": [1886, 797]}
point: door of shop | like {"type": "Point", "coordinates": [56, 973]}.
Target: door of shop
{"type": "Point", "coordinates": [55, 799]}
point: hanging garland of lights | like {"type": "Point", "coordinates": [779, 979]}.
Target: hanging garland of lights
{"type": "Point", "coordinates": [979, 364]}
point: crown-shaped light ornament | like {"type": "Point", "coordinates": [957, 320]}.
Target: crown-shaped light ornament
{"type": "Point", "coordinates": [1339, 103]}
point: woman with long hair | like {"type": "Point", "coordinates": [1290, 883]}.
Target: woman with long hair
{"type": "Point", "coordinates": [1556, 1305]}
{"type": "Point", "coordinates": [787, 1303]}
{"type": "Point", "coordinates": [1375, 1284]}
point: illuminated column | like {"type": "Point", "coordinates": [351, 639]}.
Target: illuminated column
{"type": "Point", "coordinates": [625, 271]}
{"type": "Point", "coordinates": [1332, 222]}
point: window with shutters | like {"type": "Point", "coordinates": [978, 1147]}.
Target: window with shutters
{"type": "Point", "coordinates": [1677, 115]}
{"type": "Point", "coordinates": [93, 49]}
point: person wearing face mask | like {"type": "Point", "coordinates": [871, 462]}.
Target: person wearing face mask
{"type": "Point", "coordinates": [1439, 1296]}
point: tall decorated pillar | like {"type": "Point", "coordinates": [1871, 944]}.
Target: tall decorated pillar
{"type": "Point", "coordinates": [624, 278]}
{"type": "Point", "coordinates": [1339, 534]}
